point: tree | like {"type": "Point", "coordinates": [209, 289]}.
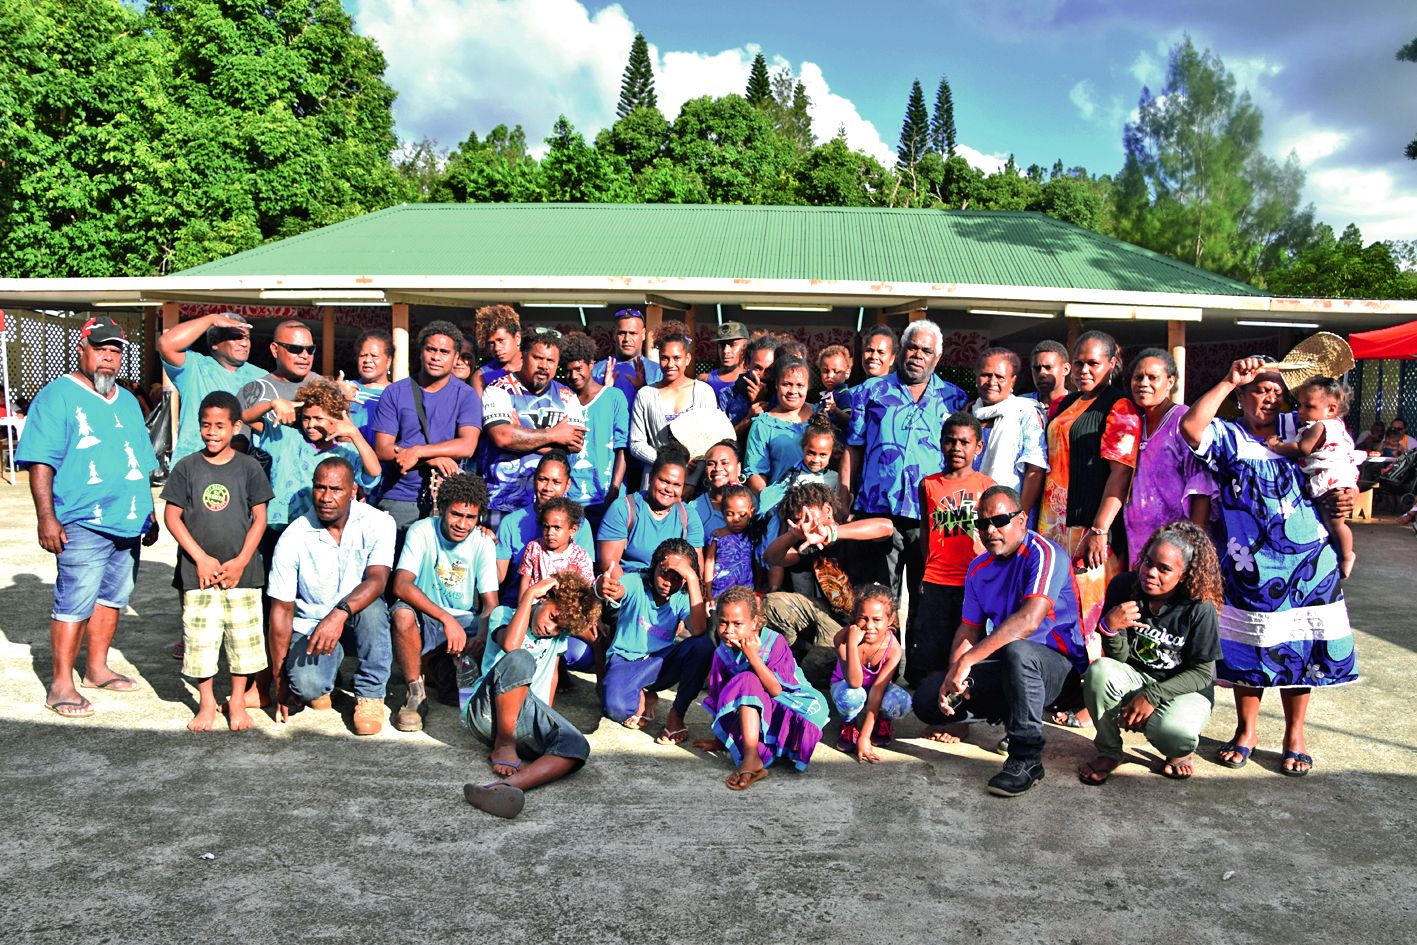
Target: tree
{"type": "Point", "coordinates": [574, 172]}
{"type": "Point", "coordinates": [791, 110]}
{"type": "Point", "coordinates": [638, 138]}
{"type": "Point", "coordinates": [759, 91]}
{"type": "Point", "coordinates": [419, 165]}
{"type": "Point", "coordinates": [1195, 184]}
{"type": "Point", "coordinates": [833, 175]}
{"type": "Point", "coordinates": [733, 149]}
{"type": "Point", "coordinates": [914, 130]}
{"type": "Point", "coordinates": [277, 120]}
{"type": "Point", "coordinates": [1408, 53]}
{"type": "Point", "coordinates": [496, 169]}
{"type": "Point", "coordinates": [637, 83]}
{"type": "Point", "coordinates": [942, 123]}
{"type": "Point", "coordinates": [1342, 268]}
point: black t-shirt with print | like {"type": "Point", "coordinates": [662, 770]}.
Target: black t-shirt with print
{"type": "Point", "coordinates": [216, 502]}
{"type": "Point", "coordinates": [1171, 641]}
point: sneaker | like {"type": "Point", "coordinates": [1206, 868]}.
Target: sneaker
{"type": "Point", "coordinates": [409, 717]}
{"type": "Point", "coordinates": [1016, 777]}
{"type": "Point", "coordinates": [368, 716]}
{"type": "Point", "coordinates": [846, 740]}
{"type": "Point", "coordinates": [883, 734]}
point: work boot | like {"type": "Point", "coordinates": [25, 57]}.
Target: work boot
{"type": "Point", "coordinates": [1017, 776]}
{"type": "Point", "coordinates": [368, 716]}
{"type": "Point", "coordinates": [321, 703]}
{"type": "Point", "coordinates": [409, 717]}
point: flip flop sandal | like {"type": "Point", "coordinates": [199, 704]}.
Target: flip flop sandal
{"type": "Point", "coordinates": [1094, 778]}
{"type": "Point", "coordinates": [84, 707]}
{"type": "Point", "coordinates": [115, 683]}
{"type": "Point", "coordinates": [634, 722]}
{"type": "Point", "coordinates": [1300, 757]}
{"type": "Point", "coordinates": [753, 778]}
{"type": "Point", "coordinates": [1068, 719]}
{"type": "Point", "coordinates": [499, 800]}
{"type": "Point", "coordinates": [1232, 748]}
{"type": "Point", "coordinates": [676, 737]}
{"type": "Point", "coordinates": [514, 765]}
{"type": "Point", "coordinates": [1168, 770]}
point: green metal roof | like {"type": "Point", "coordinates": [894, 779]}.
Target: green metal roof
{"type": "Point", "coordinates": [678, 241]}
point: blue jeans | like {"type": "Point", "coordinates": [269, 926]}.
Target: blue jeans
{"type": "Point", "coordinates": [94, 568]}
{"type": "Point", "coordinates": [685, 663]}
{"type": "Point", "coordinates": [540, 730]}
{"type": "Point", "coordinates": [368, 633]}
{"type": "Point", "coordinates": [1013, 686]}
{"type": "Point", "coordinates": [851, 701]}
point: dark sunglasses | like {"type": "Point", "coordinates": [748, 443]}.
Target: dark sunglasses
{"type": "Point", "coordinates": [542, 332]}
{"type": "Point", "coordinates": [629, 313]}
{"type": "Point", "coordinates": [998, 521]}
{"type": "Point", "coordinates": [297, 349]}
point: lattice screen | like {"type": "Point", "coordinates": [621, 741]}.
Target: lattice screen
{"type": "Point", "coordinates": [41, 346]}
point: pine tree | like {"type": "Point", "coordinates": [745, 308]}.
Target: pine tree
{"type": "Point", "coordinates": [637, 84]}
{"type": "Point", "coordinates": [915, 130]}
{"type": "Point", "coordinates": [942, 125]}
{"type": "Point", "coordinates": [759, 91]}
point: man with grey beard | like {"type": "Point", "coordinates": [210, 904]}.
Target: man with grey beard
{"type": "Point", "coordinates": [90, 459]}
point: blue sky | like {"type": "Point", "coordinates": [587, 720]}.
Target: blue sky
{"type": "Point", "coordinates": [1042, 79]}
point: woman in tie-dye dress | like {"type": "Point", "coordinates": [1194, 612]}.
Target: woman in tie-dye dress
{"type": "Point", "coordinates": [1284, 624]}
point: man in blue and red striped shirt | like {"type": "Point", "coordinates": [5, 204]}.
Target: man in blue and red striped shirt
{"type": "Point", "coordinates": [1019, 645]}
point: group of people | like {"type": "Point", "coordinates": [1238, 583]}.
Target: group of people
{"type": "Point", "coordinates": [1093, 550]}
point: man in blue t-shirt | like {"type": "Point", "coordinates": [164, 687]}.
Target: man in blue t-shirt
{"type": "Point", "coordinates": [598, 471]}
{"type": "Point", "coordinates": [90, 459]}
{"type": "Point", "coordinates": [196, 375]}
{"type": "Point", "coordinates": [628, 369]}
{"type": "Point", "coordinates": [453, 412]}
{"type": "Point", "coordinates": [1019, 645]}
{"type": "Point", "coordinates": [894, 442]}
{"type": "Point", "coordinates": [523, 415]}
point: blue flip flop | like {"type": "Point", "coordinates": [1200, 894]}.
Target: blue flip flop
{"type": "Point", "coordinates": [1300, 757]}
{"type": "Point", "coordinates": [514, 765]}
{"type": "Point", "coordinates": [1232, 748]}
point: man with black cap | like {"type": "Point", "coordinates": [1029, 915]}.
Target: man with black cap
{"type": "Point", "coordinates": [732, 340]}
{"type": "Point", "coordinates": [196, 375]}
{"type": "Point", "coordinates": [90, 459]}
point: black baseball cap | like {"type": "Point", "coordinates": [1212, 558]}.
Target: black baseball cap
{"type": "Point", "coordinates": [102, 330]}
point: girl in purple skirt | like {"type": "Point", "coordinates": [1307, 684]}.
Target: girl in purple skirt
{"type": "Point", "coordinates": [762, 708]}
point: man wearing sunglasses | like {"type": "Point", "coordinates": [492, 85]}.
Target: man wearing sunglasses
{"type": "Point", "coordinates": [268, 406]}
{"type": "Point", "coordinates": [1022, 590]}
{"type": "Point", "coordinates": [627, 368]}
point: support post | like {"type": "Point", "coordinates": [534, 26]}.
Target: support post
{"type": "Point", "coordinates": [401, 341]}
{"type": "Point", "coordinates": [1176, 341]}
{"type": "Point", "coordinates": [171, 316]}
{"type": "Point", "coordinates": [654, 317]}
{"type": "Point", "coordinates": [327, 341]}
{"type": "Point", "coordinates": [918, 314]}
{"type": "Point", "coordinates": [1074, 333]}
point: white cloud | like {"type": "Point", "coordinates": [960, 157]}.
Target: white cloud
{"type": "Point", "coordinates": [1368, 197]}
{"type": "Point", "coordinates": [988, 163]}
{"type": "Point", "coordinates": [1147, 69]}
{"type": "Point", "coordinates": [466, 65]}
{"type": "Point", "coordinates": [1083, 97]}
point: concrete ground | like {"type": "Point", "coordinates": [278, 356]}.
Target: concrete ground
{"type": "Point", "coordinates": [127, 828]}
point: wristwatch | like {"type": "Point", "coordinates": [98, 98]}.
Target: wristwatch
{"type": "Point", "coordinates": [344, 606]}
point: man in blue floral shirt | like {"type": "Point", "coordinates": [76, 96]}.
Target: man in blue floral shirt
{"type": "Point", "coordinates": [894, 443]}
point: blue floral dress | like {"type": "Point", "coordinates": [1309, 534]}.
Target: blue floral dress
{"type": "Point", "coordinates": [1284, 623]}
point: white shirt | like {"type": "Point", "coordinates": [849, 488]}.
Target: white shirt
{"type": "Point", "coordinates": [310, 569]}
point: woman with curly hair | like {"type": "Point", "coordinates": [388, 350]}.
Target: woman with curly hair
{"type": "Point", "coordinates": [499, 335]}
{"type": "Point", "coordinates": [658, 404]}
{"type": "Point", "coordinates": [509, 706]}
{"type": "Point", "coordinates": [1161, 644]}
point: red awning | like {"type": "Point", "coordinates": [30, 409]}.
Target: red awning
{"type": "Point", "coordinates": [1399, 341]}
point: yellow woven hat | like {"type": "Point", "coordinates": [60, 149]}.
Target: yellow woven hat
{"type": "Point", "coordinates": [1320, 355]}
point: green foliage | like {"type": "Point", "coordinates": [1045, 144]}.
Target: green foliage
{"type": "Point", "coordinates": [494, 170]}
{"type": "Point", "coordinates": [833, 175]}
{"type": "Point", "coordinates": [942, 122]}
{"type": "Point", "coordinates": [914, 129]}
{"type": "Point", "coordinates": [790, 109]}
{"type": "Point", "coordinates": [575, 172]}
{"type": "Point", "coordinates": [733, 149]}
{"type": "Point", "coordinates": [639, 138]}
{"type": "Point", "coordinates": [1342, 268]}
{"type": "Point", "coordinates": [1195, 184]}
{"type": "Point", "coordinates": [637, 83]}
{"type": "Point", "coordinates": [759, 90]}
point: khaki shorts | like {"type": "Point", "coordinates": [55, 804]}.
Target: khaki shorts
{"type": "Point", "coordinates": [213, 617]}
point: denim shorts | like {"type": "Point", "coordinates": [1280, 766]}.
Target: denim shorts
{"type": "Point", "coordinates": [433, 632]}
{"type": "Point", "coordinates": [94, 568]}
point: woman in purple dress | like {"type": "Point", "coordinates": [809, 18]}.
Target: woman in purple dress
{"type": "Point", "coordinates": [1169, 483]}
{"type": "Point", "coordinates": [762, 708]}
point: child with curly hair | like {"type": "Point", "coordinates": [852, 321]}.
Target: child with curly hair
{"type": "Point", "coordinates": [510, 706]}
{"type": "Point", "coordinates": [762, 707]}
{"type": "Point", "coordinates": [1161, 641]}
{"type": "Point", "coordinates": [323, 416]}
{"type": "Point", "coordinates": [867, 655]}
